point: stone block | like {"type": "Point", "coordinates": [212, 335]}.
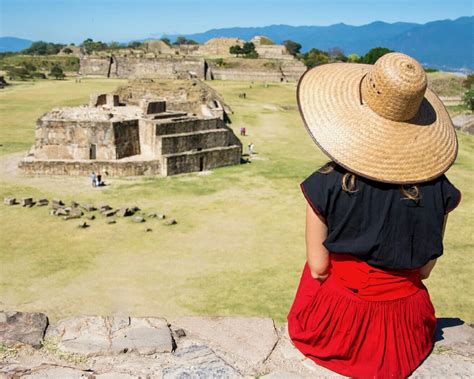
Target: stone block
{"type": "Point", "coordinates": [27, 328]}
{"type": "Point", "coordinates": [171, 221]}
{"type": "Point", "coordinates": [76, 212]}
{"type": "Point", "coordinates": [88, 207]}
{"type": "Point", "coordinates": [27, 202]}
{"type": "Point", "coordinates": [157, 215]}
{"type": "Point", "coordinates": [109, 213]}
{"type": "Point", "coordinates": [96, 335]}
{"type": "Point", "coordinates": [124, 212]}
{"type": "Point", "coordinates": [9, 201]}
{"type": "Point", "coordinates": [138, 219]}
{"type": "Point", "coordinates": [42, 202]}
{"type": "Point", "coordinates": [152, 106]}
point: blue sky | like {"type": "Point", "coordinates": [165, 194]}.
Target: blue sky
{"type": "Point", "coordinates": [125, 20]}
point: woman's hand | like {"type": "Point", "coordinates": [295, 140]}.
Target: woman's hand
{"type": "Point", "coordinates": [316, 254]}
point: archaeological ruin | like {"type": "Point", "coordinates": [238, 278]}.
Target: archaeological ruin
{"type": "Point", "coordinates": [209, 61]}
{"type": "Point", "coordinates": [141, 137]}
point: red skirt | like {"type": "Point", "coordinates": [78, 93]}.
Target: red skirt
{"type": "Point", "coordinates": [363, 322]}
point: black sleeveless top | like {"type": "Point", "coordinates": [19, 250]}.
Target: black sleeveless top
{"type": "Point", "coordinates": [377, 224]}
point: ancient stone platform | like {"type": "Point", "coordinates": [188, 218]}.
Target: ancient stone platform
{"type": "Point", "coordinates": [188, 347]}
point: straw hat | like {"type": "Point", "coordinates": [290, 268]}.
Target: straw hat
{"type": "Point", "coordinates": [380, 121]}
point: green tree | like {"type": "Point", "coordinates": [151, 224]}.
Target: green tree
{"type": "Point", "coordinates": [374, 54]}
{"type": "Point", "coordinates": [89, 46]}
{"type": "Point", "coordinates": [292, 47]}
{"type": "Point", "coordinates": [315, 57]}
{"type": "Point", "coordinates": [469, 98]}
{"type": "Point", "coordinates": [43, 48]}
{"type": "Point", "coordinates": [29, 66]}
{"type": "Point", "coordinates": [184, 41]}
{"type": "Point", "coordinates": [353, 58]}
{"type": "Point", "coordinates": [19, 73]}
{"type": "Point", "coordinates": [236, 50]}
{"type": "Point", "coordinates": [336, 54]}
{"type": "Point", "coordinates": [135, 45]}
{"type": "Point", "coordinates": [248, 48]}
{"type": "Point", "coordinates": [114, 45]}
{"type": "Point", "coordinates": [57, 72]}
{"type": "Point", "coordinates": [469, 81]}
{"type": "Point", "coordinates": [67, 50]}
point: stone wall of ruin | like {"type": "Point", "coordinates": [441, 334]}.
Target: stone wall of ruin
{"type": "Point", "coordinates": [273, 52]}
{"type": "Point", "coordinates": [201, 160]}
{"type": "Point", "coordinates": [127, 138]}
{"type": "Point", "coordinates": [69, 139]}
{"type": "Point", "coordinates": [84, 168]}
{"type": "Point", "coordinates": [180, 143]}
{"type": "Point", "coordinates": [188, 126]}
{"type": "Point", "coordinates": [125, 67]}
{"type": "Point", "coordinates": [286, 71]}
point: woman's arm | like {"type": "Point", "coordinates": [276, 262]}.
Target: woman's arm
{"type": "Point", "coordinates": [316, 254]}
{"type": "Point", "coordinates": [425, 271]}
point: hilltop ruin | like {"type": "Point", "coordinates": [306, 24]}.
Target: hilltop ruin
{"type": "Point", "coordinates": [208, 61]}
{"type": "Point", "coordinates": [139, 138]}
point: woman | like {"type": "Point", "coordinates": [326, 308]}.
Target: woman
{"type": "Point", "coordinates": [375, 216]}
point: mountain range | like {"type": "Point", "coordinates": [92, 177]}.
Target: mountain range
{"type": "Point", "coordinates": [443, 44]}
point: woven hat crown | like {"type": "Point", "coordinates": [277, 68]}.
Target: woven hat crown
{"type": "Point", "coordinates": [395, 87]}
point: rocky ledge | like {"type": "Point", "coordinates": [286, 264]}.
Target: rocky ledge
{"type": "Point", "coordinates": [188, 347]}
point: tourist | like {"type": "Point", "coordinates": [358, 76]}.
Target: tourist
{"type": "Point", "coordinates": [375, 216]}
{"type": "Point", "coordinates": [93, 177]}
{"type": "Point", "coordinates": [99, 180]}
{"type": "Point", "coordinates": [242, 131]}
{"type": "Point", "coordinates": [250, 148]}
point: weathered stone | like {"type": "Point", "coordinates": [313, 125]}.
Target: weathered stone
{"type": "Point", "coordinates": [53, 372]}
{"type": "Point", "coordinates": [171, 221]}
{"type": "Point", "coordinates": [250, 338]}
{"type": "Point", "coordinates": [27, 202]}
{"type": "Point", "coordinates": [464, 122]}
{"type": "Point", "coordinates": [104, 207]}
{"type": "Point", "coordinates": [134, 209]}
{"type": "Point", "coordinates": [56, 203]}
{"type": "Point", "coordinates": [111, 335]}
{"type": "Point", "coordinates": [71, 217]}
{"type": "Point", "coordinates": [160, 216]}
{"type": "Point", "coordinates": [83, 225]}
{"type": "Point", "coordinates": [199, 361]}
{"type": "Point", "coordinates": [90, 217]}
{"type": "Point", "coordinates": [74, 204]}
{"type": "Point", "coordinates": [109, 213]}
{"type": "Point", "coordinates": [138, 219]}
{"type": "Point", "coordinates": [282, 375]}
{"type": "Point", "coordinates": [444, 366]}
{"type": "Point", "coordinates": [76, 212]}
{"type": "Point", "coordinates": [42, 202]}
{"type": "Point", "coordinates": [454, 336]}
{"type": "Point", "coordinates": [61, 212]}
{"type": "Point", "coordinates": [27, 328]}
{"type": "Point", "coordinates": [148, 230]}
{"type": "Point", "coordinates": [111, 221]}
{"type": "Point", "coordinates": [88, 207]}
{"type": "Point", "coordinates": [9, 201]}
{"type": "Point", "coordinates": [124, 212]}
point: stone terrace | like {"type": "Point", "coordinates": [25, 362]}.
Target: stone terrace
{"type": "Point", "coordinates": [188, 347]}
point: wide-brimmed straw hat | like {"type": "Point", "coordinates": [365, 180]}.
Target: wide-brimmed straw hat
{"type": "Point", "coordinates": [380, 121]}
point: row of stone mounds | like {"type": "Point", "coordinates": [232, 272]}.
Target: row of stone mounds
{"type": "Point", "coordinates": [77, 211]}
{"type": "Point", "coordinates": [104, 347]}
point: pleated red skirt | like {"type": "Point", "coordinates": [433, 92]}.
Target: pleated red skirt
{"type": "Point", "coordinates": [363, 322]}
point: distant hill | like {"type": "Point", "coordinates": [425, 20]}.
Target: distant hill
{"type": "Point", "coordinates": [445, 44]}
{"type": "Point", "coordinates": [13, 44]}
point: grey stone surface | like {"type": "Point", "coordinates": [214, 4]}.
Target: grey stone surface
{"type": "Point", "coordinates": [61, 212]}
{"type": "Point", "coordinates": [250, 338]}
{"type": "Point", "coordinates": [9, 201]}
{"type": "Point", "coordinates": [42, 202]}
{"type": "Point", "coordinates": [138, 219]}
{"type": "Point", "coordinates": [454, 336]}
{"type": "Point", "coordinates": [111, 221]}
{"type": "Point", "coordinates": [109, 213]}
{"type": "Point", "coordinates": [445, 366]}
{"type": "Point", "coordinates": [88, 207]}
{"type": "Point", "coordinates": [96, 335]}
{"type": "Point", "coordinates": [124, 212]}
{"type": "Point", "coordinates": [464, 122]}
{"type": "Point", "coordinates": [58, 372]}
{"type": "Point", "coordinates": [27, 328]}
{"type": "Point", "coordinates": [26, 202]}
{"type": "Point", "coordinates": [199, 361]}
{"type": "Point", "coordinates": [171, 221]}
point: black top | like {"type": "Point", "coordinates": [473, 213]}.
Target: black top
{"type": "Point", "coordinates": [377, 224]}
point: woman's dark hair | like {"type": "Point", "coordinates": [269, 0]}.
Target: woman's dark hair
{"type": "Point", "coordinates": [409, 191]}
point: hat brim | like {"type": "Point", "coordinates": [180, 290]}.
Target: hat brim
{"type": "Point", "coordinates": [357, 138]}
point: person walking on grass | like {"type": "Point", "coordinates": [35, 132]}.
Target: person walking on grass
{"type": "Point", "coordinates": [375, 216]}
{"type": "Point", "coordinates": [93, 178]}
{"type": "Point", "coordinates": [250, 148]}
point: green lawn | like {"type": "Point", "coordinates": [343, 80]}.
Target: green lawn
{"type": "Point", "coordinates": [238, 247]}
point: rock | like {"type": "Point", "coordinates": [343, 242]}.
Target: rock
{"type": "Point", "coordinates": [109, 212]}
{"type": "Point", "coordinates": [134, 209]}
{"type": "Point", "coordinates": [199, 361]}
{"type": "Point", "coordinates": [61, 212]}
{"type": "Point", "coordinates": [124, 212]}
{"type": "Point", "coordinates": [27, 202]}
{"type": "Point", "coordinates": [56, 203]}
{"type": "Point", "coordinates": [76, 212]}
{"type": "Point", "coordinates": [156, 215]}
{"type": "Point", "coordinates": [444, 366]}
{"type": "Point", "coordinates": [464, 122]}
{"type": "Point", "coordinates": [27, 328]}
{"type": "Point", "coordinates": [111, 221]}
{"type": "Point", "coordinates": [88, 207]}
{"type": "Point", "coordinates": [9, 201]}
{"type": "Point", "coordinates": [42, 202]}
{"type": "Point", "coordinates": [148, 230]}
{"type": "Point", "coordinates": [179, 333]}
{"type": "Point", "coordinates": [171, 221]}
{"type": "Point", "coordinates": [70, 217]}
{"type": "Point", "coordinates": [454, 336]}
{"type": "Point", "coordinates": [52, 372]}
{"type": "Point", "coordinates": [90, 217]}
{"type": "Point", "coordinates": [74, 204]}
{"type": "Point", "coordinates": [250, 338]}
{"type": "Point", "coordinates": [112, 335]}
{"type": "Point", "coordinates": [104, 207]}
{"type": "Point", "coordinates": [83, 225]}
{"type": "Point", "coordinates": [282, 375]}
{"type": "Point", "coordinates": [138, 219]}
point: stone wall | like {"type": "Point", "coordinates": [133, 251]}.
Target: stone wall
{"type": "Point", "coordinates": [174, 164]}
{"type": "Point", "coordinates": [104, 347]}
{"type": "Point", "coordinates": [188, 126]}
{"type": "Point", "coordinates": [273, 52]}
{"type": "Point", "coordinates": [127, 138]}
{"type": "Point", "coordinates": [84, 168]}
{"type": "Point", "coordinates": [71, 139]}
{"type": "Point", "coordinates": [180, 143]}
{"type": "Point", "coordinates": [94, 66]}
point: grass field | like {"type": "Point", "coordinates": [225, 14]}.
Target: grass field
{"type": "Point", "coordinates": [238, 247]}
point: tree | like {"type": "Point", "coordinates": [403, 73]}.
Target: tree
{"type": "Point", "coordinates": [236, 50]}
{"type": "Point", "coordinates": [292, 47]}
{"type": "Point", "coordinates": [315, 57]}
{"type": "Point", "coordinates": [134, 45]}
{"type": "Point", "coordinates": [29, 66]}
{"type": "Point", "coordinates": [336, 54]}
{"type": "Point", "coordinates": [374, 54]}
{"type": "Point", "coordinates": [248, 48]}
{"type": "Point", "coordinates": [57, 72]}
{"type": "Point", "coordinates": [19, 73]}
{"type": "Point", "coordinates": [184, 41]}
{"type": "Point", "coordinates": [67, 50]}
{"type": "Point", "coordinates": [114, 45]}
{"type": "Point", "coordinates": [43, 48]}
{"type": "Point", "coordinates": [353, 58]}
{"type": "Point", "coordinates": [89, 46]}
{"type": "Point", "coordinates": [469, 81]}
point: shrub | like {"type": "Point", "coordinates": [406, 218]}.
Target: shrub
{"type": "Point", "coordinates": [374, 54]}
{"type": "Point", "coordinates": [469, 81]}
{"type": "Point", "coordinates": [468, 98]}
{"type": "Point", "coordinates": [19, 73]}
{"type": "Point", "coordinates": [292, 47]}
{"type": "Point", "coordinates": [57, 72]}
